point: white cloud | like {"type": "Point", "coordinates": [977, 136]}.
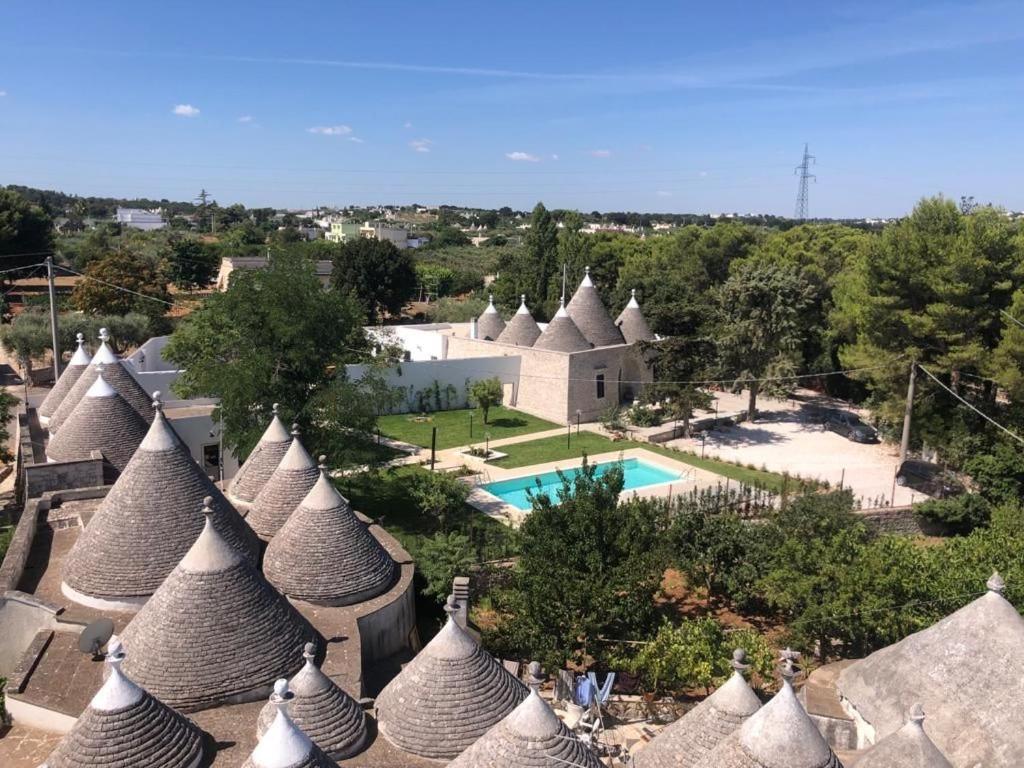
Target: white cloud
{"type": "Point", "coordinates": [3, 93]}
{"type": "Point", "coordinates": [407, 125]}
{"type": "Point", "coordinates": [554, 157]}
{"type": "Point", "coordinates": [600, 153]}
{"type": "Point", "coordinates": [330, 130]}
{"type": "Point", "coordinates": [663, 193]}
{"type": "Point", "coordinates": [421, 145]}
{"type": "Point", "coordinates": [356, 140]}
{"type": "Point", "coordinates": [246, 119]}
{"type": "Point", "coordinates": [185, 110]}
{"type": "Point", "coordinates": [523, 157]}
{"type": "Point", "coordinates": [703, 174]}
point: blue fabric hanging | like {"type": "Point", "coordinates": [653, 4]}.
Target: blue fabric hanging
{"type": "Point", "coordinates": [602, 692]}
{"type": "Point", "coordinates": [585, 690]}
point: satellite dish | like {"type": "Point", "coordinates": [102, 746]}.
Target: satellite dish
{"type": "Point", "coordinates": [95, 636]}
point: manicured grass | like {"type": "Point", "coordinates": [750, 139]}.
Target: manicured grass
{"type": "Point", "coordinates": [554, 449]}
{"type": "Point", "coordinates": [453, 426]}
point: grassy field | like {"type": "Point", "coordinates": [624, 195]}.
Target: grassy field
{"type": "Point", "coordinates": [554, 449]}
{"type": "Point", "coordinates": [453, 426]}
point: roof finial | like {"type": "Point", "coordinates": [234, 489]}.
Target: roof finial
{"type": "Point", "coordinates": [789, 670]}
{"type": "Point", "coordinates": [522, 299]}
{"type": "Point", "coordinates": [632, 292]}
{"type": "Point", "coordinates": [916, 715]}
{"type": "Point", "coordinates": [534, 675]}
{"type": "Point", "coordinates": [157, 405]}
{"type": "Point", "coordinates": [295, 429]}
{"type": "Point", "coordinates": [995, 583]}
{"type": "Point", "coordinates": [208, 505]}
{"type": "Point", "coordinates": [309, 652]}
{"type": "Point", "coordinates": [322, 462]}
{"type": "Point", "coordinates": [80, 338]}
{"type": "Point", "coordinates": [739, 660]}
{"type": "Point", "coordinates": [282, 694]}
{"type": "Point", "coordinates": [115, 650]}
{"type": "Point", "coordinates": [104, 335]}
{"type": "Point", "coordinates": [451, 606]}
{"type": "Point", "coordinates": [274, 408]}
{"type": "Point", "coordinates": [586, 270]}
{"type": "Point", "coordinates": [490, 299]}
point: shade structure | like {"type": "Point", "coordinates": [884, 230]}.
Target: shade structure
{"type": "Point", "coordinates": [448, 696]}
{"type": "Point", "coordinates": [257, 469]}
{"type": "Point", "coordinates": [632, 324]}
{"type": "Point", "coordinates": [531, 736]}
{"type": "Point", "coordinates": [102, 421]}
{"type": "Point", "coordinates": [779, 735]}
{"type": "Point", "coordinates": [117, 376]}
{"type": "Point", "coordinates": [76, 366]}
{"type": "Point", "coordinates": [588, 312]}
{"type": "Point", "coordinates": [147, 523]}
{"type": "Point", "coordinates": [284, 745]}
{"type": "Point", "coordinates": [215, 631]}
{"type": "Point", "coordinates": [294, 477]}
{"type": "Point", "coordinates": [330, 717]}
{"type": "Point", "coordinates": [126, 726]}
{"type": "Point", "coordinates": [490, 325]}
{"type": "Point", "coordinates": [909, 747]}
{"type": "Point", "coordinates": [965, 670]}
{"type": "Point", "coordinates": [561, 334]}
{"type": "Point", "coordinates": [522, 330]}
{"type": "Point", "coordinates": [324, 554]}
{"type": "Point", "coordinates": [687, 742]}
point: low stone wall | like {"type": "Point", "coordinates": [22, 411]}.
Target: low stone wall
{"type": "Point", "coordinates": [900, 521]}
{"type": "Point", "coordinates": [61, 475]}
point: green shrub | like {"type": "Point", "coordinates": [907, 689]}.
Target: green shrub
{"type": "Point", "coordinates": [960, 514]}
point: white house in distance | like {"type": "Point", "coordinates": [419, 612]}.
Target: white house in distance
{"type": "Point", "coordinates": [139, 218]}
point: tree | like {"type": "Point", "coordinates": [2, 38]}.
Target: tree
{"type": "Point", "coordinates": [541, 253]}
{"type": "Point", "coordinates": [486, 394]}
{"type": "Point", "coordinates": [443, 557]}
{"type": "Point", "coordinates": [960, 514]}
{"type": "Point", "coordinates": [760, 309]}
{"type": "Point", "coordinates": [26, 338]}
{"type": "Point", "coordinates": [274, 336]}
{"type": "Point", "coordinates": [439, 495]}
{"type": "Point", "coordinates": [1007, 364]}
{"type": "Point", "coordinates": [26, 233]}
{"type": "Point", "coordinates": [676, 360]}
{"type": "Point", "coordinates": [447, 237]}
{"type": "Point", "coordinates": [381, 277]}
{"type": "Point", "coordinates": [574, 253]}
{"type": "Point", "coordinates": [123, 282]}
{"type": "Point", "coordinates": [191, 263]}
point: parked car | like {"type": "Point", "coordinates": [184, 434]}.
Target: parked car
{"type": "Point", "coordinates": [850, 426]}
{"type": "Point", "coordinates": [928, 478]}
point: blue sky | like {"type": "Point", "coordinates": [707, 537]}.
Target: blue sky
{"type": "Point", "coordinates": [653, 106]}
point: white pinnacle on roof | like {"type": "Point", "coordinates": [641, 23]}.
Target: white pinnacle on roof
{"type": "Point", "coordinates": [632, 303]}
{"type": "Point", "coordinates": [100, 388]}
{"type": "Point", "coordinates": [104, 355]}
{"type": "Point", "coordinates": [81, 356]}
{"type": "Point", "coordinates": [296, 457]}
{"type": "Point", "coordinates": [283, 744]}
{"type": "Point", "coordinates": [160, 436]}
{"type": "Point", "coordinates": [76, 367]}
{"type": "Point", "coordinates": [118, 691]}
{"type": "Point", "coordinates": [909, 747]}
{"type": "Point", "coordinates": [522, 305]}
{"type": "Point", "coordinates": [211, 552]}
{"type": "Point", "coordinates": [586, 282]}
{"type": "Point", "coordinates": [491, 310]}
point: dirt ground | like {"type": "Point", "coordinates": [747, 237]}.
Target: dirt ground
{"type": "Point", "coordinates": [786, 437]}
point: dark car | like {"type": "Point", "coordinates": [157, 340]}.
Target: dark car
{"type": "Point", "coordinates": [928, 478]}
{"type": "Point", "coordinates": [850, 426]}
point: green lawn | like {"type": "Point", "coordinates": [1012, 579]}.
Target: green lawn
{"type": "Point", "coordinates": [453, 426]}
{"type": "Point", "coordinates": [554, 449]}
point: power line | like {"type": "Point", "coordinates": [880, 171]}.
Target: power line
{"type": "Point", "coordinates": [985, 416]}
{"type": "Point", "coordinates": [120, 288]}
{"type": "Point", "coordinates": [18, 269]}
{"type": "Point", "coordinates": [1011, 317]}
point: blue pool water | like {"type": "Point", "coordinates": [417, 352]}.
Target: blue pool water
{"type": "Point", "coordinates": [637, 474]}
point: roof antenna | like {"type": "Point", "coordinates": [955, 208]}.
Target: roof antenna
{"type": "Point", "coordinates": [564, 275]}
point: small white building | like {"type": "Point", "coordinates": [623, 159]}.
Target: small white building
{"type": "Point", "coordinates": [139, 218]}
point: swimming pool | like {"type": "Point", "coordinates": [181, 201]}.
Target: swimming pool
{"type": "Point", "coordinates": [637, 474]}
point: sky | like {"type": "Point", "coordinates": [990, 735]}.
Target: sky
{"type": "Point", "coordinates": [648, 106]}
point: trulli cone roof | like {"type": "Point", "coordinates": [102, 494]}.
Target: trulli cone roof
{"type": "Point", "coordinates": [284, 745]}
{"type": "Point", "coordinates": [257, 469]}
{"type": "Point", "coordinates": [531, 736]}
{"type": "Point", "coordinates": [562, 335]}
{"type": "Point", "coordinates": [148, 521]}
{"type": "Point", "coordinates": [214, 630]}
{"type": "Point", "coordinates": [447, 697]}
{"type": "Point", "coordinates": [967, 672]}
{"type": "Point", "coordinates": [126, 726]}
{"type": "Point", "coordinates": [490, 325]}
{"type": "Point", "coordinates": [522, 330]}
{"type": "Point", "coordinates": [632, 324]}
{"type": "Point", "coordinates": [103, 422]}
{"type": "Point", "coordinates": [779, 735]}
{"type": "Point", "coordinates": [294, 477]}
{"type": "Point", "coordinates": [588, 312]}
{"type": "Point", "coordinates": [687, 742]}
{"type": "Point", "coordinates": [76, 366]}
{"type": "Point", "coordinates": [117, 376]}
{"type": "Point", "coordinates": [909, 747]}
{"type": "Point", "coordinates": [325, 554]}
{"type": "Point", "coordinates": [330, 717]}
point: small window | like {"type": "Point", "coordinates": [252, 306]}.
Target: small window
{"type": "Point", "coordinates": [600, 386]}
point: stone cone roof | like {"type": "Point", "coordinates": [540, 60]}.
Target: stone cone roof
{"type": "Point", "coordinates": [294, 477]}
{"type": "Point", "coordinates": [588, 312]}
{"type": "Point", "coordinates": [447, 697]}
{"type": "Point", "coordinates": [632, 324]}
{"type": "Point", "coordinates": [779, 735]}
{"type": "Point", "coordinates": [103, 422]}
{"type": "Point", "coordinates": [324, 554]}
{"type": "Point", "coordinates": [965, 670]}
{"type": "Point", "coordinates": [522, 330]}
{"type": "Point", "coordinates": [561, 334]}
{"type": "Point", "coordinates": [257, 469]}
{"type": "Point", "coordinates": [117, 376]}
{"type": "Point", "coordinates": [330, 717]}
{"type": "Point", "coordinates": [76, 366]}
{"type": "Point", "coordinates": [909, 747]}
{"type": "Point", "coordinates": [531, 736]}
{"type": "Point", "coordinates": [490, 325]}
{"type": "Point", "coordinates": [125, 726]}
{"type": "Point", "coordinates": [148, 521]}
{"type": "Point", "coordinates": [284, 745]}
{"type": "Point", "coordinates": [687, 742]}
{"type": "Point", "coordinates": [215, 630]}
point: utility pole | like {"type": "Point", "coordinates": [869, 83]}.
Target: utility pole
{"type": "Point", "coordinates": [905, 441]}
{"type": "Point", "coordinates": [805, 177]}
{"type": "Point", "coordinates": [54, 336]}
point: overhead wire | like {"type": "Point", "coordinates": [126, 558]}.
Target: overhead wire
{"type": "Point", "coordinates": [983, 415]}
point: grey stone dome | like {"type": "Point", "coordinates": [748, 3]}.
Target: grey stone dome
{"type": "Point", "coordinates": [490, 325]}
{"type": "Point", "coordinates": [294, 477]}
{"type": "Point", "coordinates": [909, 747]}
{"type": "Point", "coordinates": [588, 312]}
{"type": "Point", "coordinates": [522, 330]}
{"type": "Point", "coordinates": [284, 745]}
{"type": "Point", "coordinates": [632, 324]}
{"type": "Point", "coordinates": [261, 463]}
{"type": "Point", "coordinates": [562, 335]}
{"type": "Point", "coordinates": [76, 367]}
